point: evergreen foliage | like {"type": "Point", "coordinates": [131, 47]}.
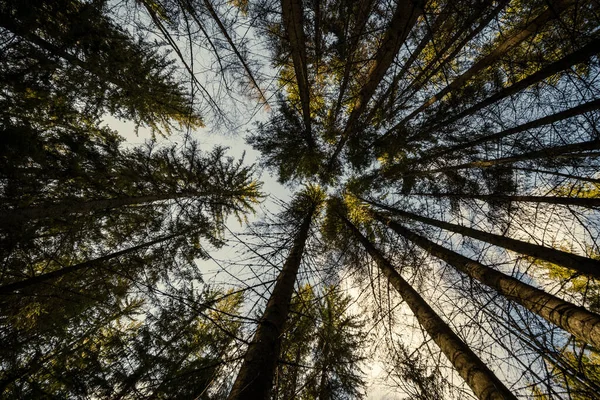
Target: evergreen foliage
{"type": "Point", "coordinates": [442, 226]}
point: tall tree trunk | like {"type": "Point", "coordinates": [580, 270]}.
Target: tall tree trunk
{"type": "Point", "coordinates": [562, 175]}
{"type": "Point", "coordinates": [405, 16]}
{"type": "Point", "coordinates": [361, 20]}
{"type": "Point", "coordinates": [423, 77]}
{"type": "Point", "coordinates": [567, 201]}
{"type": "Point", "coordinates": [574, 319]}
{"type": "Point", "coordinates": [74, 206]}
{"type": "Point", "coordinates": [19, 216]}
{"type": "Point", "coordinates": [571, 112]}
{"type": "Point", "coordinates": [426, 73]}
{"type": "Point", "coordinates": [476, 374]}
{"type": "Point", "coordinates": [255, 377]}
{"type": "Point", "coordinates": [575, 262]}
{"type": "Point", "coordinates": [292, 16]}
{"type": "Point", "coordinates": [187, 4]}
{"type": "Point", "coordinates": [549, 70]}
{"type": "Point", "coordinates": [441, 23]}
{"type": "Point", "coordinates": [500, 50]}
{"type": "Point", "coordinates": [50, 276]}
{"type": "Point", "coordinates": [568, 150]}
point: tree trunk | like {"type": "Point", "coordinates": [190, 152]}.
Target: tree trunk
{"type": "Point", "coordinates": [255, 377]}
{"type": "Point", "coordinates": [75, 206]}
{"type": "Point", "coordinates": [568, 176]}
{"type": "Point", "coordinates": [575, 262]}
{"type": "Point", "coordinates": [292, 16]}
{"type": "Point", "coordinates": [549, 70]}
{"type": "Point", "coordinates": [582, 323]}
{"type": "Point", "coordinates": [571, 112]}
{"type": "Point", "coordinates": [405, 16]}
{"type": "Point", "coordinates": [423, 77]}
{"type": "Point", "coordinates": [476, 374]}
{"type": "Point", "coordinates": [49, 276]}
{"type": "Point", "coordinates": [567, 201]}
{"type": "Point", "coordinates": [511, 41]}
{"type": "Point", "coordinates": [568, 150]}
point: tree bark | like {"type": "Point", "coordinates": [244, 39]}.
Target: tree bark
{"type": "Point", "coordinates": [568, 176]}
{"type": "Point", "coordinates": [423, 77]}
{"type": "Point", "coordinates": [405, 16]}
{"type": "Point", "coordinates": [568, 150]}
{"type": "Point", "coordinates": [567, 201]}
{"type": "Point", "coordinates": [576, 320]}
{"type": "Point", "coordinates": [69, 207]}
{"type": "Point", "coordinates": [292, 16]}
{"type": "Point", "coordinates": [476, 374]}
{"type": "Point", "coordinates": [549, 70]}
{"type": "Point", "coordinates": [571, 112]}
{"type": "Point", "coordinates": [50, 276]}
{"type": "Point", "coordinates": [575, 262]}
{"type": "Point", "coordinates": [255, 377]}
{"type": "Point", "coordinates": [500, 50]}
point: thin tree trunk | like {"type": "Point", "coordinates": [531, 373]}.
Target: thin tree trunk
{"type": "Point", "coordinates": [582, 323]}
{"type": "Point", "coordinates": [569, 176]}
{"type": "Point", "coordinates": [440, 23]}
{"type": "Point", "coordinates": [423, 77]}
{"type": "Point", "coordinates": [361, 19]}
{"type": "Point", "coordinates": [429, 71]}
{"type": "Point", "coordinates": [571, 112]}
{"type": "Point", "coordinates": [567, 201]}
{"type": "Point", "coordinates": [511, 41]}
{"type": "Point", "coordinates": [575, 262]}
{"type": "Point", "coordinates": [405, 16]}
{"type": "Point", "coordinates": [293, 22]}
{"type": "Point", "coordinates": [50, 276]}
{"type": "Point", "coordinates": [568, 150]}
{"type": "Point", "coordinates": [476, 374]}
{"type": "Point", "coordinates": [255, 377]}
{"type": "Point", "coordinates": [69, 207]}
{"type": "Point", "coordinates": [564, 63]}
{"type": "Point", "coordinates": [189, 6]}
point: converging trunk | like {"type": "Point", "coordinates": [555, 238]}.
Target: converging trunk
{"type": "Point", "coordinates": [575, 262]}
{"type": "Point", "coordinates": [255, 377]}
{"type": "Point", "coordinates": [582, 323]}
{"type": "Point", "coordinates": [50, 276]}
{"type": "Point", "coordinates": [547, 120]}
{"type": "Point", "coordinates": [510, 42]}
{"type": "Point", "coordinates": [476, 374]}
{"type": "Point", "coordinates": [566, 201]}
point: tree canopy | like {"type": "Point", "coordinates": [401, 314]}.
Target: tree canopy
{"type": "Point", "coordinates": [439, 237]}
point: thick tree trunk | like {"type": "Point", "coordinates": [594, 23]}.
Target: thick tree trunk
{"type": "Point", "coordinates": [567, 201]}
{"type": "Point", "coordinates": [255, 377]}
{"type": "Point", "coordinates": [582, 323]}
{"type": "Point", "coordinates": [575, 262]}
{"type": "Point", "coordinates": [571, 112]}
{"type": "Point", "coordinates": [501, 49]}
{"type": "Point", "coordinates": [50, 276]}
{"type": "Point", "coordinates": [476, 374]}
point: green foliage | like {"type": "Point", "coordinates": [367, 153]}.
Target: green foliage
{"type": "Point", "coordinates": [322, 350]}
{"type": "Point", "coordinates": [71, 53]}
